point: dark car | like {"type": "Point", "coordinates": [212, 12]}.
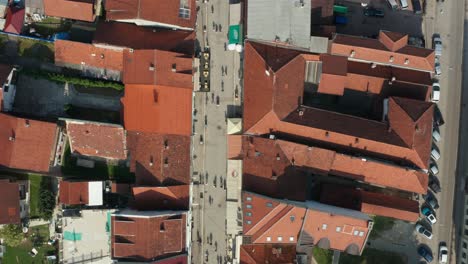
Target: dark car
{"type": "Point", "coordinates": [373, 12]}
{"type": "Point", "coordinates": [424, 252]}
{"type": "Point", "coordinates": [431, 200]}
{"type": "Point", "coordinates": [438, 118]}
{"type": "Point", "coordinates": [434, 183]}
{"type": "Point", "coordinates": [417, 7]}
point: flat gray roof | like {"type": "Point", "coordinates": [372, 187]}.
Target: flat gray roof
{"type": "Point", "coordinates": [286, 21]}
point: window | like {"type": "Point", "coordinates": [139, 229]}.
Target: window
{"type": "Point", "coordinates": [184, 9]}
{"type": "Point", "coordinates": [464, 255]}
{"type": "Point", "coordinates": [280, 238]}
{"type": "Point", "coordinates": [356, 232]}
{"type": "Point", "coordinates": [249, 222]}
{"type": "Point", "coordinates": [249, 206]}
{"type": "Point", "coordinates": [338, 229]}
{"type": "Point", "coordinates": [291, 239]}
{"type": "Point", "coordinates": [249, 198]}
{"type": "Point", "coordinates": [361, 234]}
{"type": "Point", "coordinates": [466, 232]}
{"type": "Point", "coordinates": [248, 214]}
{"type": "Point", "coordinates": [324, 226]}
{"type": "Point", "coordinates": [268, 239]}
{"type": "Point", "coordinates": [464, 245]}
{"type": "Point", "coordinates": [466, 221]}
{"type": "Point", "coordinates": [269, 204]}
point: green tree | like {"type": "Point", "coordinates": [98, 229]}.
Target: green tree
{"type": "Point", "coordinates": [46, 204]}
{"type": "Point", "coordinates": [12, 234]}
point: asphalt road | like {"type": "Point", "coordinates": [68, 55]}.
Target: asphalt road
{"type": "Point", "coordinates": [209, 143]}
{"type": "Point", "coordinates": [446, 18]}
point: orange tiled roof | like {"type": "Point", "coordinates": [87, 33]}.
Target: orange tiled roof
{"type": "Point", "coordinates": [371, 203]}
{"type": "Point", "coordinates": [144, 237]}
{"type": "Point", "coordinates": [269, 221]}
{"type": "Point", "coordinates": [26, 144]}
{"type": "Point", "coordinates": [161, 198]}
{"type": "Point", "coordinates": [72, 9]}
{"type": "Point", "coordinates": [71, 52]}
{"type": "Point", "coordinates": [161, 11]}
{"type": "Point", "coordinates": [74, 193]}
{"type": "Point", "coordinates": [97, 139]}
{"type": "Point", "coordinates": [10, 202]}
{"type": "Point", "coordinates": [158, 67]}
{"type": "Point", "coordinates": [267, 253]}
{"type": "Point", "coordinates": [278, 168]}
{"type": "Point", "coordinates": [279, 110]}
{"type": "Point", "coordinates": [390, 48]}
{"type": "Point", "coordinates": [157, 109]}
{"type": "Point", "coordinates": [159, 159]}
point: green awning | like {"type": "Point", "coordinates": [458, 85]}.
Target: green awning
{"type": "Point", "coordinates": [235, 34]}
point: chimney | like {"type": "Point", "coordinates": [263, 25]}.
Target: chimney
{"type": "Point", "coordinates": [391, 59]}
{"type": "Point", "coordinates": [93, 54]}
{"type": "Point", "coordinates": [166, 144]}
{"type": "Point", "coordinates": [373, 65]}
{"type": "Point", "coordinates": [102, 55]}
{"type": "Point", "coordinates": [174, 67]}
{"type": "Point", "coordinates": [26, 123]}
{"type": "Point", "coordinates": [406, 61]}
{"type": "Point", "coordinates": [166, 162]}
{"type": "Point", "coordinates": [301, 113]}
{"type": "Point", "coordinates": [12, 138]}
{"type": "Point", "coordinates": [151, 67]}
{"type": "Point", "coordinates": [352, 53]}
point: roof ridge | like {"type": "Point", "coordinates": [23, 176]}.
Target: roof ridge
{"type": "Point", "coordinates": [273, 221]}
{"type": "Point", "coordinates": [256, 226]}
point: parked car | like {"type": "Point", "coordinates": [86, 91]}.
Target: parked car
{"type": "Point", "coordinates": [423, 231]}
{"type": "Point", "coordinates": [433, 168]}
{"type": "Point", "coordinates": [435, 154]}
{"type": "Point", "coordinates": [438, 68]}
{"type": "Point", "coordinates": [435, 95]}
{"type": "Point", "coordinates": [437, 45]}
{"type": "Point", "coordinates": [438, 118]}
{"type": "Point", "coordinates": [434, 183]}
{"type": "Point", "coordinates": [393, 4]}
{"type": "Point", "coordinates": [436, 134]}
{"type": "Point", "coordinates": [424, 252]}
{"type": "Point", "coordinates": [431, 200]}
{"type": "Point", "coordinates": [427, 212]}
{"type": "Point", "coordinates": [443, 253]}
{"type": "Point", "coordinates": [404, 4]}
{"type": "Point", "coordinates": [373, 12]}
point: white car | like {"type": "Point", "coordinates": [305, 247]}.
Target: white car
{"type": "Point", "coordinates": [435, 96]}
{"type": "Point", "coordinates": [438, 45]}
{"type": "Point", "coordinates": [443, 253]}
{"type": "Point", "coordinates": [436, 134]}
{"type": "Point", "coordinates": [435, 154]}
{"type": "Point", "coordinates": [423, 231]}
{"type": "Point", "coordinates": [438, 68]}
{"type": "Point", "coordinates": [433, 168]}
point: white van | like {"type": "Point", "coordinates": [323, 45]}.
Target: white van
{"type": "Point", "coordinates": [404, 4]}
{"type": "Point", "coordinates": [393, 4]}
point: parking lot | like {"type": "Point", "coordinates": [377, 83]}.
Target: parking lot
{"type": "Point", "coordinates": [359, 24]}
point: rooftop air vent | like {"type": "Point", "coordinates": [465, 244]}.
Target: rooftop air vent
{"type": "Point", "coordinates": [174, 67]}
{"type": "Point", "coordinates": [391, 59]}
{"type": "Point", "coordinates": [301, 112]}
{"type": "Point", "coordinates": [406, 61]}
{"type": "Point", "coordinates": [151, 67]}
{"type": "Point", "coordinates": [373, 65]}
{"type": "Point", "coordinates": [93, 54]}
{"type": "Point", "coordinates": [11, 138]}
{"type": "Point", "coordinates": [352, 53]}
{"type": "Point", "coordinates": [267, 73]}
{"type": "Point", "coordinates": [26, 123]}
{"type": "Point", "coordinates": [102, 55]}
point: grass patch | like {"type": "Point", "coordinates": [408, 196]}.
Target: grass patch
{"type": "Point", "coordinates": [371, 256]}
{"type": "Point", "coordinates": [322, 256]}
{"type": "Point", "coordinates": [381, 224]}
{"type": "Point", "coordinates": [74, 79]}
{"type": "Point", "coordinates": [41, 50]}
{"type": "Point", "coordinates": [101, 170]}
{"type": "Point", "coordinates": [98, 115]}
{"type": "Point", "coordinates": [37, 238]}
{"type": "Point", "coordinates": [34, 187]}
{"type": "Point", "coordinates": [51, 25]}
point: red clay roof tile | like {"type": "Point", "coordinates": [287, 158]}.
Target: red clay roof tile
{"type": "Point", "coordinates": [266, 114]}
{"type": "Point", "coordinates": [146, 237]}
{"type": "Point", "coordinates": [74, 193]}
{"type": "Point", "coordinates": [72, 9]}
{"type": "Point", "coordinates": [158, 67]}
{"type": "Point", "coordinates": [161, 11]}
{"type": "Point", "coordinates": [77, 53]}
{"type": "Point", "coordinates": [10, 202]}
{"type": "Point", "coordinates": [159, 159]}
{"type": "Point", "coordinates": [260, 254]}
{"type": "Point", "coordinates": [161, 198]}
{"type": "Point", "coordinates": [14, 20]}
{"type": "Point", "coordinates": [97, 139]}
{"type": "Point", "coordinates": [391, 48]}
{"type": "Point", "coordinates": [157, 109]}
{"type": "Point", "coordinates": [26, 144]}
